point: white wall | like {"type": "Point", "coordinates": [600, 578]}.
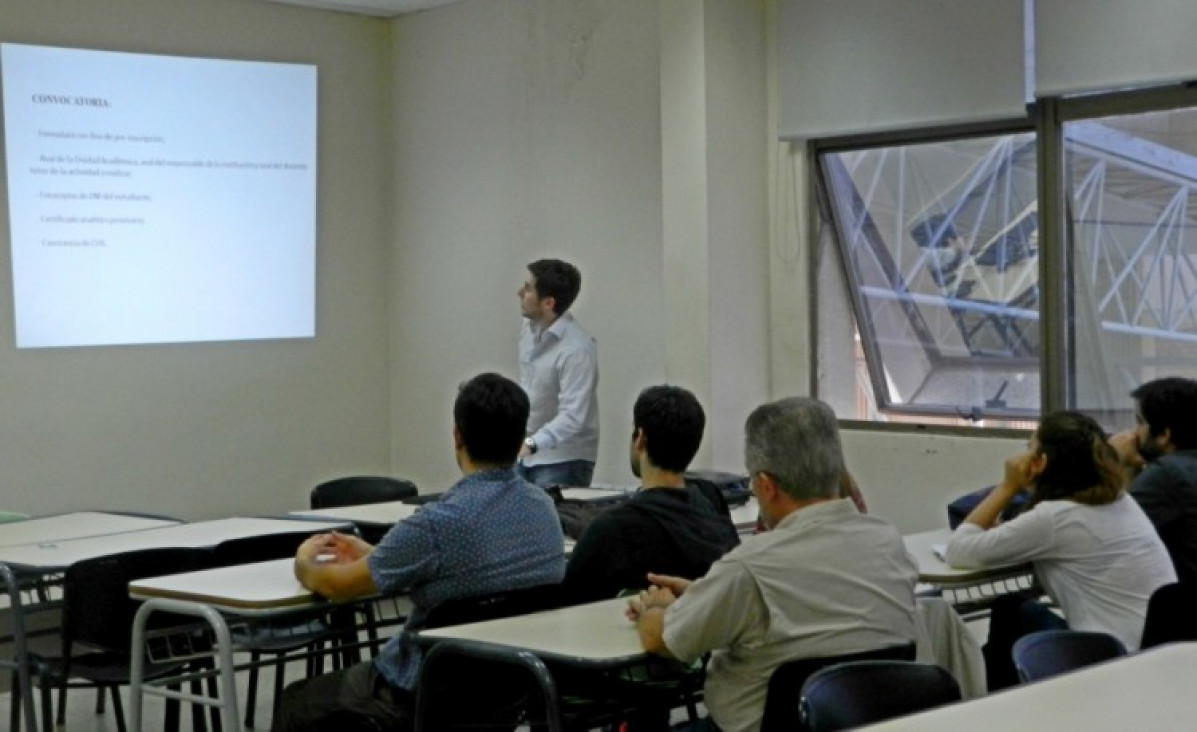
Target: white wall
{"type": "Point", "coordinates": [522, 129]}
{"type": "Point", "coordinates": [909, 477]}
{"type": "Point", "coordinates": [203, 430]}
{"type": "Point", "coordinates": [456, 146]}
{"type": "Point", "coordinates": [716, 236]}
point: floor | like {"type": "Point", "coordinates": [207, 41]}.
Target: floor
{"type": "Point", "coordinates": [82, 717]}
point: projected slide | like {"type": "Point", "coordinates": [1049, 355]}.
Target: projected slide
{"type": "Point", "coordinates": [156, 199]}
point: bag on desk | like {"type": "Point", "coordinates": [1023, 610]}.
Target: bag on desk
{"type": "Point", "coordinates": [964, 505]}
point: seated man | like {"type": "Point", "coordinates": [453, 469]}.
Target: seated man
{"type": "Point", "coordinates": [490, 532]}
{"type": "Point", "coordinates": [825, 580]}
{"type": "Point", "coordinates": [667, 527]}
{"type": "Point", "coordinates": [1161, 455]}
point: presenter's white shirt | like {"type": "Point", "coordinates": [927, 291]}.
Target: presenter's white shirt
{"type": "Point", "coordinates": [559, 372]}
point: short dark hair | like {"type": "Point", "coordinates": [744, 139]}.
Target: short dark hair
{"type": "Point", "coordinates": [672, 421]}
{"type": "Point", "coordinates": [491, 413]}
{"type": "Point", "coordinates": [1170, 404]}
{"type": "Point", "coordinates": [1081, 465]}
{"type": "Point", "coordinates": [556, 279]}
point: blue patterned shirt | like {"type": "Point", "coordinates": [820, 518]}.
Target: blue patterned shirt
{"type": "Point", "coordinates": [489, 533]}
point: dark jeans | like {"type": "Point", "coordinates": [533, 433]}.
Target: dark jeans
{"type": "Point", "coordinates": [571, 473]}
{"type": "Point", "coordinates": [357, 698]}
{"type": "Point", "coordinates": [1010, 618]}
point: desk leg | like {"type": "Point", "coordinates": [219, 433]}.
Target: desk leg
{"type": "Point", "coordinates": [20, 648]}
{"type": "Point", "coordinates": [227, 701]}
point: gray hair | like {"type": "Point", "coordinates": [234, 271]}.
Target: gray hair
{"type": "Point", "coordinates": [797, 441]}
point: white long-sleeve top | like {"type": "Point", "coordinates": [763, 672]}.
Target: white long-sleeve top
{"type": "Point", "coordinates": [559, 372]}
{"type": "Point", "coordinates": [1099, 563]}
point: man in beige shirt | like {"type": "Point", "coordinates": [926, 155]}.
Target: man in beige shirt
{"type": "Point", "coordinates": [825, 580]}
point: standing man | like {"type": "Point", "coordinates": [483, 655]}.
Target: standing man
{"type": "Point", "coordinates": [1161, 455]}
{"type": "Point", "coordinates": [826, 580]}
{"type": "Point", "coordinates": [491, 532]}
{"type": "Point", "coordinates": [559, 371]}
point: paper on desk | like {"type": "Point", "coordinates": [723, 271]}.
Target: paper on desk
{"type": "Point", "coordinates": [940, 551]}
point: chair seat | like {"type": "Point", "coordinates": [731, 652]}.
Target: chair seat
{"type": "Point", "coordinates": [280, 639]}
{"type": "Point", "coordinates": [100, 667]}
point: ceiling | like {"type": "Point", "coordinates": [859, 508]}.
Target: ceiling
{"type": "Point", "coordinates": [380, 8]}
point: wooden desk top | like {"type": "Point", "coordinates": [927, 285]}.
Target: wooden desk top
{"type": "Point", "coordinates": [74, 526]}
{"type": "Point", "coordinates": [259, 586]}
{"type": "Point", "coordinates": [936, 571]}
{"type": "Point", "coordinates": [373, 514]}
{"type": "Point", "coordinates": [593, 633]}
{"type": "Point", "coordinates": [57, 555]}
{"type": "Point", "coordinates": [1151, 690]}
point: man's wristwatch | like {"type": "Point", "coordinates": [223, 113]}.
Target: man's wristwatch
{"type": "Point", "coordinates": [531, 445]}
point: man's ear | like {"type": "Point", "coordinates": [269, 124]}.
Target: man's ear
{"type": "Point", "coordinates": [768, 486]}
{"type": "Point", "coordinates": [1038, 464]}
{"type": "Point", "coordinates": [639, 440]}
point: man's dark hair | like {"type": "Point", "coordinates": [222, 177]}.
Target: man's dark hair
{"type": "Point", "coordinates": [556, 279]}
{"type": "Point", "coordinates": [1170, 404]}
{"type": "Point", "coordinates": [672, 421]}
{"type": "Point", "coordinates": [491, 412]}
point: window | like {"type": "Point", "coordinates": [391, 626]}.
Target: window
{"type": "Point", "coordinates": [1131, 181]}
{"type": "Point", "coordinates": [937, 244]}
{"type": "Point", "coordinates": [929, 256]}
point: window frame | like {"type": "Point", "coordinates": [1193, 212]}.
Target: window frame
{"type": "Point", "coordinates": [822, 208]}
{"type": "Point", "coordinates": [1045, 118]}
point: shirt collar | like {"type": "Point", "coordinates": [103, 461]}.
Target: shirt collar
{"type": "Point", "coordinates": [818, 511]}
{"type": "Point", "coordinates": [557, 329]}
{"type": "Point", "coordinates": [490, 475]}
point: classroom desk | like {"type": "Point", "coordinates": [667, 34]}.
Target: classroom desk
{"type": "Point", "coordinates": [372, 514]}
{"type": "Point", "coordinates": [592, 638]}
{"type": "Point", "coordinates": [54, 556]}
{"type": "Point", "coordinates": [244, 591]}
{"type": "Point", "coordinates": [595, 634]}
{"type": "Point", "coordinates": [74, 526]}
{"type": "Point", "coordinates": [934, 570]}
{"type": "Point", "coordinates": [594, 494]}
{"type": "Point", "coordinates": [964, 586]}
{"type": "Point", "coordinates": [49, 557]}
{"type": "Point", "coordinates": [1145, 691]}
{"type": "Point", "coordinates": [50, 529]}
{"type": "Point", "coordinates": [745, 516]}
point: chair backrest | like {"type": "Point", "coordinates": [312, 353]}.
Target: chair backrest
{"type": "Point", "coordinates": [248, 549]}
{"type": "Point", "coordinates": [495, 605]}
{"type": "Point", "coordinates": [498, 697]}
{"type": "Point", "coordinates": [97, 609]}
{"type": "Point", "coordinates": [1051, 652]}
{"type": "Point", "coordinates": [1171, 615]}
{"type": "Point", "coordinates": [783, 710]}
{"type": "Point", "coordinates": [507, 686]}
{"type": "Point", "coordinates": [854, 694]}
{"type": "Point", "coordinates": [360, 489]}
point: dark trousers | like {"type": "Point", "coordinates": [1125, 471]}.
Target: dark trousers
{"type": "Point", "coordinates": [354, 699]}
{"type": "Point", "coordinates": [1010, 618]}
